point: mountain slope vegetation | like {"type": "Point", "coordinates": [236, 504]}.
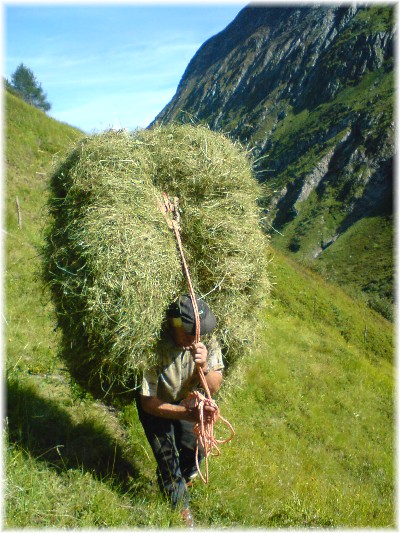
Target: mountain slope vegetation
{"type": "Point", "coordinates": [310, 89]}
{"type": "Point", "coordinates": [312, 406]}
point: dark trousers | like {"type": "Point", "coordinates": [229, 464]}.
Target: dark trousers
{"type": "Point", "coordinates": [174, 446]}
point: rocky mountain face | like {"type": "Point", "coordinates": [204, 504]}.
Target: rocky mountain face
{"type": "Point", "coordinates": [309, 89]}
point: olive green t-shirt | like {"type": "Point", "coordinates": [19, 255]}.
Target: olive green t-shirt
{"type": "Point", "coordinates": [175, 376]}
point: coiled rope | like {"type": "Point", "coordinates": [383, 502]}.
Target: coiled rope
{"type": "Point", "coordinates": [204, 428]}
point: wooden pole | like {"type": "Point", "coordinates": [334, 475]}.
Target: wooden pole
{"type": "Point", "coordinates": [19, 213]}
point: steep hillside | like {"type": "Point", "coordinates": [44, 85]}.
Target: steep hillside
{"type": "Point", "coordinates": [312, 406]}
{"type": "Point", "coordinates": [32, 140]}
{"type": "Point", "coordinates": [310, 90]}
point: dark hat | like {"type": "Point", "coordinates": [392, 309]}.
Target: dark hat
{"type": "Point", "coordinates": [183, 308]}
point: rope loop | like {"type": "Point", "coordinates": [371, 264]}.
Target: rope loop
{"type": "Point", "coordinates": [204, 429]}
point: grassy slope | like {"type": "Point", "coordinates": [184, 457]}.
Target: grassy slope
{"type": "Point", "coordinates": [342, 262]}
{"type": "Point", "coordinates": [32, 141]}
{"type": "Point", "coordinates": [312, 406]}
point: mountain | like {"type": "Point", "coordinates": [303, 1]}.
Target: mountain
{"type": "Point", "coordinates": [310, 90]}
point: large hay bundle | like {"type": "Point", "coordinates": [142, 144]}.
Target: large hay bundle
{"type": "Point", "coordinates": [113, 263]}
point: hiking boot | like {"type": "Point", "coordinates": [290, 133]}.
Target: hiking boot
{"type": "Point", "coordinates": [191, 476]}
{"type": "Point", "coordinates": [187, 518]}
{"type": "Point", "coordinates": [189, 480]}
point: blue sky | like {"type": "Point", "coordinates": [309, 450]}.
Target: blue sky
{"type": "Point", "coordinates": [104, 65]}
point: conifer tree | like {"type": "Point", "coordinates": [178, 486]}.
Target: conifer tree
{"type": "Point", "coordinates": [29, 89]}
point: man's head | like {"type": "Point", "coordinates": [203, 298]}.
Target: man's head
{"type": "Point", "coordinates": [181, 317]}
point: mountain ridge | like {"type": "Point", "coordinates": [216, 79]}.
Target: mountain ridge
{"type": "Point", "coordinates": [309, 89]}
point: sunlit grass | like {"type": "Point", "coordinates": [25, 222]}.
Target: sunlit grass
{"type": "Point", "coordinates": [312, 407]}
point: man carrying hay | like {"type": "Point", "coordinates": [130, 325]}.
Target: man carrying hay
{"type": "Point", "coordinates": [167, 419]}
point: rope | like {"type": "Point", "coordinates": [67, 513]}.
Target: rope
{"type": "Point", "coordinates": [204, 429]}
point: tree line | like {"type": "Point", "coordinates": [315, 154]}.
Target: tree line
{"type": "Point", "coordinates": [25, 85]}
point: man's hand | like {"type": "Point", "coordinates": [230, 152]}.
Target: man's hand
{"type": "Point", "coordinates": [199, 353]}
{"type": "Point", "coordinates": [210, 410]}
{"type": "Point", "coordinates": [183, 411]}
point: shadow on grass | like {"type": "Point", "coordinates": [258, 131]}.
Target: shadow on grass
{"type": "Point", "coordinates": [49, 434]}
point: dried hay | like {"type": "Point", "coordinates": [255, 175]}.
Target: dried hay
{"type": "Point", "coordinates": [112, 261]}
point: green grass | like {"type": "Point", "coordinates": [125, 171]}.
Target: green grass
{"type": "Point", "coordinates": [32, 141]}
{"type": "Point", "coordinates": [361, 260]}
{"type": "Point", "coordinates": [312, 413]}
{"type": "Point", "coordinates": [373, 257]}
{"type": "Point", "coordinates": [312, 406]}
